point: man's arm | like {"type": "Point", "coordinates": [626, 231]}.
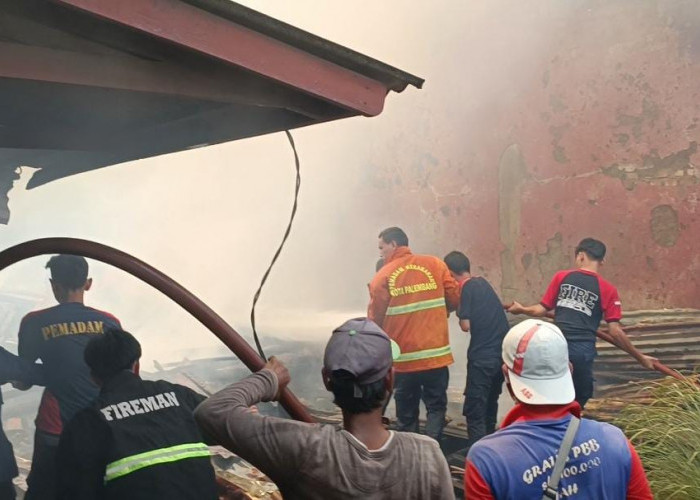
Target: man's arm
{"type": "Point", "coordinates": [621, 340]}
{"type": "Point", "coordinates": [452, 297]}
{"type": "Point", "coordinates": [536, 311]}
{"type": "Point", "coordinates": [378, 300]}
{"type": "Point", "coordinates": [465, 308]}
{"type": "Point", "coordinates": [547, 304]}
{"type": "Point", "coordinates": [19, 371]}
{"type": "Point", "coordinates": [28, 347]}
{"type": "Point", "coordinates": [274, 445]}
{"type": "Point", "coordinates": [28, 344]}
{"type": "Point", "coordinates": [82, 458]}
{"type": "Point", "coordinates": [612, 312]}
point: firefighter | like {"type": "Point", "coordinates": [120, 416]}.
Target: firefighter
{"type": "Point", "coordinates": [58, 336]}
{"type": "Point", "coordinates": [410, 297]}
{"type": "Point", "coordinates": [138, 440]}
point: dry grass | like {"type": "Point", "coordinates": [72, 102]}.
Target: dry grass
{"type": "Point", "coordinates": [666, 434]}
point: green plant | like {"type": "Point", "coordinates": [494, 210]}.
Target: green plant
{"type": "Point", "coordinates": [666, 434]}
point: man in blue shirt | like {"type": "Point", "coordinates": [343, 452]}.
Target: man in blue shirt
{"type": "Point", "coordinates": [515, 462]}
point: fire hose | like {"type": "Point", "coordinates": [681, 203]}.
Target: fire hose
{"type": "Point", "coordinates": [658, 365]}
{"type": "Point", "coordinates": [601, 334]}
{"type": "Point", "coordinates": [180, 295]}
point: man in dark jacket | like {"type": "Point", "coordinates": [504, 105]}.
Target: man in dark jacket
{"type": "Point", "coordinates": [138, 440]}
{"type": "Point", "coordinates": [13, 369]}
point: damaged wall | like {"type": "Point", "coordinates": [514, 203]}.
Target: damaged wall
{"type": "Point", "coordinates": [588, 126]}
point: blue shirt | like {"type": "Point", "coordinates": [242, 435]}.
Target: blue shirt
{"type": "Point", "coordinates": [517, 460]}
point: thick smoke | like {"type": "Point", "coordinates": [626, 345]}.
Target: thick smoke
{"type": "Point", "coordinates": [211, 218]}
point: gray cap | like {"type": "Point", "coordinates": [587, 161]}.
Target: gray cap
{"type": "Point", "coordinates": [361, 347]}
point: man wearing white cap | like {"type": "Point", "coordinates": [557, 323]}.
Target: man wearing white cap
{"type": "Point", "coordinates": [308, 461]}
{"type": "Point", "coordinates": [517, 461]}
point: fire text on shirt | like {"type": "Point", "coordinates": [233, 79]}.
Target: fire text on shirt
{"type": "Point", "coordinates": [72, 328]}
{"type": "Point", "coordinates": [578, 299]}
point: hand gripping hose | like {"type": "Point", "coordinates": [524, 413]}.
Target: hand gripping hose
{"type": "Point", "coordinates": [164, 284]}
{"type": "Point", "coordinates": [601, 334]}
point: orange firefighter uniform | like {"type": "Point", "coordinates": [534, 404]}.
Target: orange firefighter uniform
{"type": "Point", "coordinates": [410, 297]}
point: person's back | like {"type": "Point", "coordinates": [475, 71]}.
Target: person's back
{"type": "Point", "coordinates": [319, 462]}
{"type": "Point", "coordinates": [138, 440]}
{"type": "Point", "coordinates": [580, 298]}
{"type": "Point", "coordinates": [487, 319]}
{"type": "Point", "coordinates": [151, 420]}
{"type": "Point", "coordinates": [58, 336]}
{"type": "Point", "coordinates": [309, 461]}
{"type": "Point", "coordinates": [518, 460]}
{"type": "Point", "coordinates": [481, 314]}
{"type": "Point", "coordinates": [408, 302]}
{"type": "Point", "coordinates": [336, 461]}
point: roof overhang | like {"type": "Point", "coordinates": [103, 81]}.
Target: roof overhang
{"type": "Point", "coordinates": [90, 83]}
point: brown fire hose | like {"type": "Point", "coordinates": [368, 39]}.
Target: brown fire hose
{"type": "Point", "coordinates": [164, 284]}
{"type": "Point", "coordinates": [658, 365]}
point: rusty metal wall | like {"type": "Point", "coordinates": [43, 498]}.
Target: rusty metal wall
{"type": "Point", "coordinates": [602, 142]}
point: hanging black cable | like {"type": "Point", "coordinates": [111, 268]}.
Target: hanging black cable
{"type": "Point", "coordinates": [279, 250]}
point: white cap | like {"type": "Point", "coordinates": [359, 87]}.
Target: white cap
{"type": "Point", "coordinates": [537, 357]}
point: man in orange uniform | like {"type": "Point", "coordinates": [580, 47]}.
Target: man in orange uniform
{"type": "Point", "coordinates": [410, 297]}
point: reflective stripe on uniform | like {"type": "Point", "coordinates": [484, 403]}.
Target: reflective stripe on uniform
{"type": "Point", "coordinates": [416, 306]}
{"type": "Point", "coordinates": [425, 354]}
{"type": "Point", "coordinates": [133, 463]}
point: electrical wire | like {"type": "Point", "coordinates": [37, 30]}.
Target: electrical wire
{"type": "Point", "coordinates": [279, 250]}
